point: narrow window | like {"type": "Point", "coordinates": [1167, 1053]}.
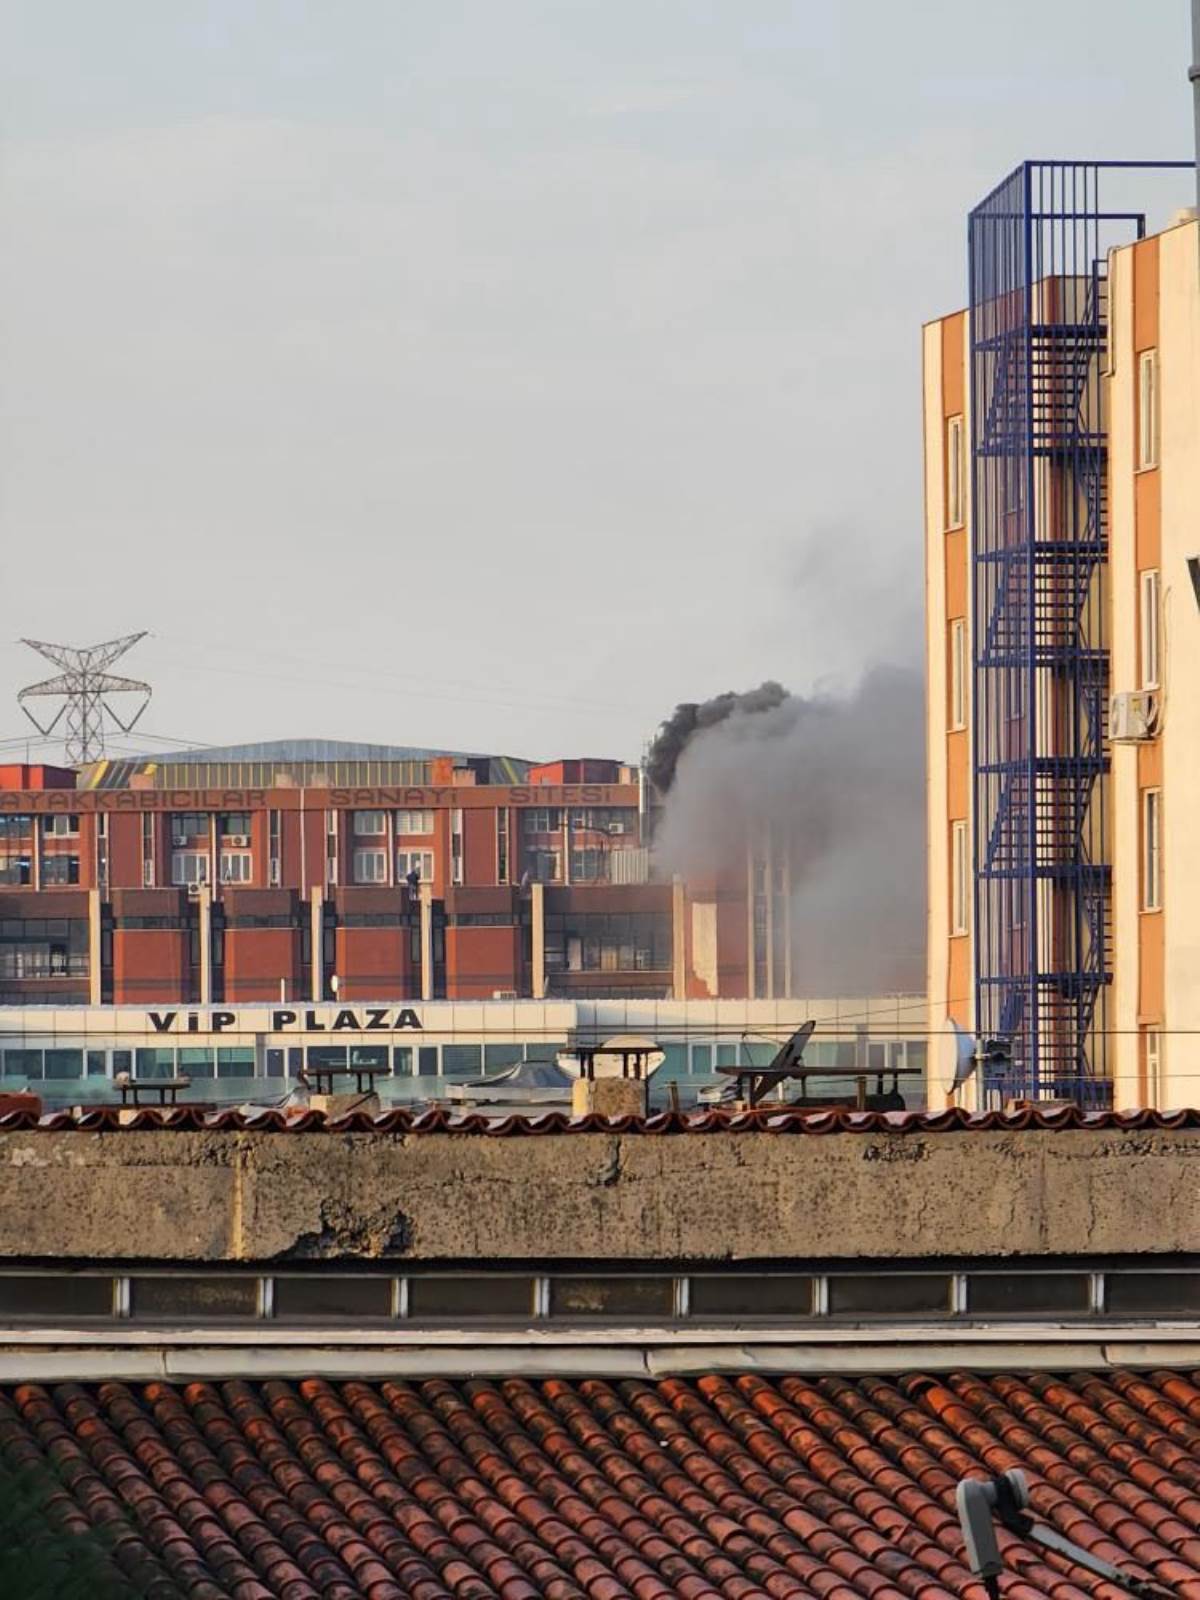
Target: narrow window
{"type": "Point", "coordinates": [1148, 409]}
{"type": "Point", "coordinates": [1149, 604]}
{"type": "Point", "coordinates": [1152, 850]}
{"type": "Point", "coordinates": [959, 877]}
{"type": "Point", "coordinates": [958, 673]}
{"type": "Point", "coordinates": [955, 473]}
{"type": "Point", "coordinates": [1152, 1050]}
{"type": "Point", "coordinates": [502, 844]}
{"type": "Point", "coordinates": [456, 846]}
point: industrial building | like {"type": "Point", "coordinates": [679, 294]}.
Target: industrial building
{"type": "Point", "coordinates": [1062, 469]}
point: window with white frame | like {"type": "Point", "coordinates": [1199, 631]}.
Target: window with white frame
{"type": "Point", "coordinates": [955, 473]}
{"type": "Point", "coordinates": [1150, 609]}
{"type": "Point", "coordinates": [60, 826]}
{"type": "Point", "coordinates": [409, 823]}
{"type": "Point", "coordinates": [1152, 850]}
{"type": "Point", "coordinates": [366, 822]}
{"type": "Point", "coordinates": [1152, 1048]}
{"type": "Point", "coordinates": [958, 673]}
{"type": "Point", "coordinates": [418, 861]}
{"type": "Point", "coordinates": [456, 846]}
{"type": "Point", "coordinates": [542, 819]}
{"type": "Point", "coordinates": [1148, 409]}
{"type": "Point", "coordinates": [188, 825]}
{"type": "Point", "coordinates": [235, 866]}
{"type": "Point", "coordinates": [960, 878]}
{"type": "Point", "coordinates": [370, 866]}
{"type": "Point", "coordinates": [188, 867]}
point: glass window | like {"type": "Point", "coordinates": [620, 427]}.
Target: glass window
{"type": "Point", "coordinates": [60, 826]}
{"type": "Point", "coordinates": [156, 1062]}
{"type": "Point", "coordinates": [331, 1298]}
{"type": "Point", "coordinates": [1148, 409]}
{"type": "Point", "coordinates": [462, 1060]}
{"type": "Point", "coordinates": [477, 1296]}
{"type": "Point", "coordinates": [236, 823]}
{"type": "Point", "coordinates": [235, 1061]}
{"type": "Point", "coordinates": [414, 822]}
{"type": "Point", "coordinates": [204, 1298]}
{"type": "Point", "coordinates": [25, 1296]}
{"type": "Point", "coordinates": [64, 1064]}
{"type": "Point", "coordinates": [189, 866]}
{"type": "Point", "coordinates": [1150, 608]}
{"type": "Point", "coordinates": [95, 1064]}
{"type": "Point", "coordinates": [751, 1296]}
{"type": "Point", "coordinates": [955, 473]}
{"type": "Point", "coordinates": [196, 1063]}
{"type": "Point", "coordinates": [188, 825]}
{"type": "Point", "coordinates": [612, 1297]}
{"type": "Point", "coordinates": [418, 861]}
{"type": "Point", "coordinates": [22, 1063]}
{"type": "Point", "coordinates": [499, 1057]}
{"type": "Point", "coordinates": [958, 673]}
{"type": "Point", "coordinates": [323, 1057]}
{"type": "Point", "coordinates": [236, 866]}
{"type": "Point", "coordinates": [897, 1294]}
{"type": "Point", "coordinates": [960, 878]}
{"type": "Point", "coordinates": [370, 866]}
{"type": "Point", "coordinates": [60, 869]}
{"type": "Point", "coordinates": [402, 1061]}
{"type": "Point", "coordinates": [366, 822]}
{"type": "Point", "coordinates": [1013, 1293]}
{"type": "Point", "coordinates": [368, 1055]}
{"type": "Point", "coordinates": [1146, 1294]}
{"type": "Point", "coordinates": [1151, 850]}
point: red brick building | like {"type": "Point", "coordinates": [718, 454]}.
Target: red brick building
{"type": "Point", "coordinates": [305, 872]}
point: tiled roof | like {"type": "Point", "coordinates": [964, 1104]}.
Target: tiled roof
{"type": "Point", "coordinates": [713, 1489]}
{"type": "Point", "coordinates": [197, 1118]}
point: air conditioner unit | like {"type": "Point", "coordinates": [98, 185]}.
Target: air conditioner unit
{"type": "Point", "coordinates": [274, 873]}
{"type": "Point", "coordinates": [504, 994]}
{"type": "Point", "coordinates": [616, 827]}
{"type": "Point", "coordinates": [237, 838]}
{"type": "Point", "coordinates": [194, 890]}
{"type": "Point", "coordinates": [1131, 716]}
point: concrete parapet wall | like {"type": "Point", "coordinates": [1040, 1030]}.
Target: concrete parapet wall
{"type": "Point", "coordinates": [272, 1197]}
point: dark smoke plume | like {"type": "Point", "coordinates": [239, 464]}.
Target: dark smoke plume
{"type": "Point", "coordinates": [840, 783]}
{"type": "Point", "coordinates": [689, 718]}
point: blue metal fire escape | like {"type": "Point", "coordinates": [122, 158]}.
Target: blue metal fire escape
{"type": "Point", "coordinates": [1038, 313]}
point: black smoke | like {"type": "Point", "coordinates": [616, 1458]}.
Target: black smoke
{"type": "Point", "coordinates": [691, 717]}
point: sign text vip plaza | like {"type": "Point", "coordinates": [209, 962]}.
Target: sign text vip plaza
{"type": "Point", "coordinates": [83, 801]}
{"type": "Point", "coordinates": [290, 1019]}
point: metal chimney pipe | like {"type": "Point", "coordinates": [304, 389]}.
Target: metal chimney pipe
{"type": "Point", "coordinates": [1194, 75]}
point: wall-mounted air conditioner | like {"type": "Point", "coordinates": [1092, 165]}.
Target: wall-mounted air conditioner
{"type": "Point", "coordinates": [237, 838]}
{"type": "Point", "coordinates": [1131, 716]}
{"type": "Point", "coordinates": [194, 890]}
{"type": "Point", "coordinates": [616, 827]}
{"type": "Point", "coordinates": [504, 994]}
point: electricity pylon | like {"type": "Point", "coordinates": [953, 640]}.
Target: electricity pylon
{"type": "Point", "coordinates": [82, 686]}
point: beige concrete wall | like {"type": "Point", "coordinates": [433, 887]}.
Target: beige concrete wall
{"type": "Point", "coordinates": [1174, 757]}
{"type": "Point", "coordinates": [276, 1197]}
{"type": "Point", "coordinates": [938, 880]}
{"type": "Point", "coordinates": [1123, 645]}
{"type": "Point", "coordinates": [1179, 366]}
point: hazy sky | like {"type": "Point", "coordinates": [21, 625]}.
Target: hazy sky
{"type": "Point", "coordinates": [496, 373]}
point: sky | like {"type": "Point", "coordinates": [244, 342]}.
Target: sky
{"type": "Point", "coordinates": [495, 374]}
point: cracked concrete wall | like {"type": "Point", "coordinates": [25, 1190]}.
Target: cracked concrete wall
{"type": "Point", "coordinates": [272, 1197]}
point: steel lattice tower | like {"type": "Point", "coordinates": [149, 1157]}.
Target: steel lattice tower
{"type": "Point", "coordinates": [83, 685]}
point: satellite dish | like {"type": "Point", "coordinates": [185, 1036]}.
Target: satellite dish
{"type": "Point", "coordinates": [970, 1051]}
{"type": "Point", "coordinates": [966, 1056]}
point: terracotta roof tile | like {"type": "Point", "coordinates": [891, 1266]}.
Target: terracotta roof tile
{"type": "Point", "coordinates": [795, 1120]}
{"type": "Point", "coordinates": [714, 1489]}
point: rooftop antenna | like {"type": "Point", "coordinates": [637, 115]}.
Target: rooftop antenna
{"type": "Point", "coordinates": [83, 685]}
{"type": "Point", "coordinates": [983, 1503]}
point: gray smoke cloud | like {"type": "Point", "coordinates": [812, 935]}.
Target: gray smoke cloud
{"type": "Point", "coordinates": [841, 780]}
